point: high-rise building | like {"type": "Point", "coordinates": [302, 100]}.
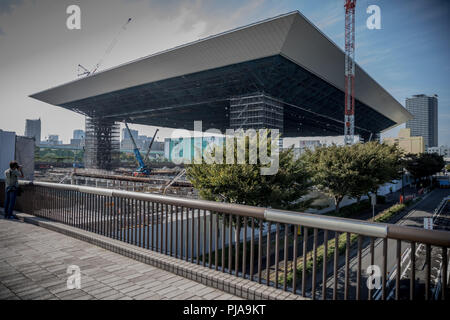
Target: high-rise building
{"type": "Point", "coordinates": [78, 139]}
{"type": "Point", "coordinates": [425, 122]}
{"type": "Point", "coordinates": [53, 140]}
{"type": "Point", "coordinates": [78, 134]}
{"type": "Point", "coordinates": [33, 130]}
{"type": "Point", "coordinates": [126, 134]}
{"type": "Point", "coordinates": [126, 143]}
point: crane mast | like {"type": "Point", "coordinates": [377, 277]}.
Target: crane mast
{"type": "Point", "coordinates": [150, 146]}
{"type": "Point", "coordinates": [349, 127]}
{"type": "Point", "coordinates": [82, 71]}
{"type": "Point", "coordinates": [143, 169]}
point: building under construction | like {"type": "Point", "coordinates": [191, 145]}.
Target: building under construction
{"type": "Point", "coordinates": [256, 111]}
{"type": "Point", "coordinates": [279, 73]}
{"type": "Point", "coordinates": [102, 150]}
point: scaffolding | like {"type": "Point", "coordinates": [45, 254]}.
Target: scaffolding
{"type": "Point", "coordinates": [256, 111]}
{"type": "Point", "coordinates": [102, 150]}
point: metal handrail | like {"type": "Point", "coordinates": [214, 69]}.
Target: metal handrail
{"type": "Point", "coordinates": [371, 229]}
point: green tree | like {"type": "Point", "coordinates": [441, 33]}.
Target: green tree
{"type": "Point", "coordinates": [354, 170]}
{"type": "Point", "coordinates": [423, 165]}
{"type": "Point", "coordinates": [333, 171]}
{"type": "Point", "coordinates": [127, 157]}
{"type": "Point", "coordinates": [377, 164]}
{"type": "Point", "coordinates": [244, 184]}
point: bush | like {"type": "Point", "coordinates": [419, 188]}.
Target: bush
{"type": "Point", "coordinates": [351, 209]}
{"type": "Point", "coordinates": [390, 212]}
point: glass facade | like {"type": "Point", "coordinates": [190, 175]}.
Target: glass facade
{"type": "Point", "coordinates": [425, 122]}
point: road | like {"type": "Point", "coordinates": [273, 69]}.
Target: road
{"type": "Point", "coordinates": [413, 218]}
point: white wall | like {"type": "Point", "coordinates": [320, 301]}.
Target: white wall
{"type": "Point", "coordinates": [25, 156]}
{"type": "Point", "coordinates": [7, 150]}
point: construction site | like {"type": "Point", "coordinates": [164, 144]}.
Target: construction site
{"type": "Point", "coordinates": [103, 167]}
{"type": "Point", "coordinates": [162, 181]}
{"type": "Point", "coordinates": [281, 73]}
{"type": "Point", "coordinates": [254, 77]}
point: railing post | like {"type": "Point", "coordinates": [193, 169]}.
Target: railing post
{"type": "Point", "coordinates": [335, 271]}
{"type": "Point", "coordinates": [294, 263]}
{"type": "Point", "coordinates": [269, 226]}
{"type": "Point", "coordinates": [347, 265]}
{"type": "Point", "coordinates": [324, 265]}
{"type": "Point", "coordinates": [305, 259]}
{"type": "Point", "coordinates": [384, 275]}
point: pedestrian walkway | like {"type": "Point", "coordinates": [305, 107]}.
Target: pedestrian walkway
{"type": "Point", "coordinates": [34, 263]}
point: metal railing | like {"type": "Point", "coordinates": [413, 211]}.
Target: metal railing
{"type": "Point", "coordinates": [314, 256]}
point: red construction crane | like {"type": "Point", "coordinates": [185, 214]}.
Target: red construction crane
{"type": "Point", "coordinates": [349, 130]}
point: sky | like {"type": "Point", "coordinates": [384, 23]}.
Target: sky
{"type": "Point", "coordinates": [408, 55]}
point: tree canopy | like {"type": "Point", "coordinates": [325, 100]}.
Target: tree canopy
{"type": "Point", "coordinates": [244, 183]}
{"type": "Point", "coordinates": [424, 164]}
{"type": "Point", "coordinates": [353, 170]}
{"type": "Point", "coordinates": [377, 164]}
{"type": "Point", "coordinates": [338, 171]}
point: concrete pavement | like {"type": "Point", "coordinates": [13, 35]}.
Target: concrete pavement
{"type": "Point", "coordinates": [34, 262]}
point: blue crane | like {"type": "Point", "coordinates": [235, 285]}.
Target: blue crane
{"type": "Point", "coordinates": [143, 168]}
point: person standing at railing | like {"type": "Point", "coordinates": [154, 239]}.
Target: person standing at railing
{"type": "Point", "coordinates": [12, 187]}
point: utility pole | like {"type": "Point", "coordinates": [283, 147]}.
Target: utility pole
{"type": "Point", "coordinates": [349, 127]}
{"type": "Point", "coordinates": [403, 184]}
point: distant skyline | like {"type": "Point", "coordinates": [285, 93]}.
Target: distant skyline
{"type": "Point", "coordinates": [408, 56]}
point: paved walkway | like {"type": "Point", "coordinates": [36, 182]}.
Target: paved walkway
{"type": "Point", "coordinates": [34, 262]}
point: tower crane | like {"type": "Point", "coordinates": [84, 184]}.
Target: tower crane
{"type": "Point", "coordinates": [349, 127]}
{"type": "Point", "coordinates": [82, 71]}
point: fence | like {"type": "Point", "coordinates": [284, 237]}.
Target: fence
{"type": "Point", "coordinates": [311, 255]}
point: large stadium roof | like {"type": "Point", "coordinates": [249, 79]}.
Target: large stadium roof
{"type": "Point", "coordinates": [286, 57]}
